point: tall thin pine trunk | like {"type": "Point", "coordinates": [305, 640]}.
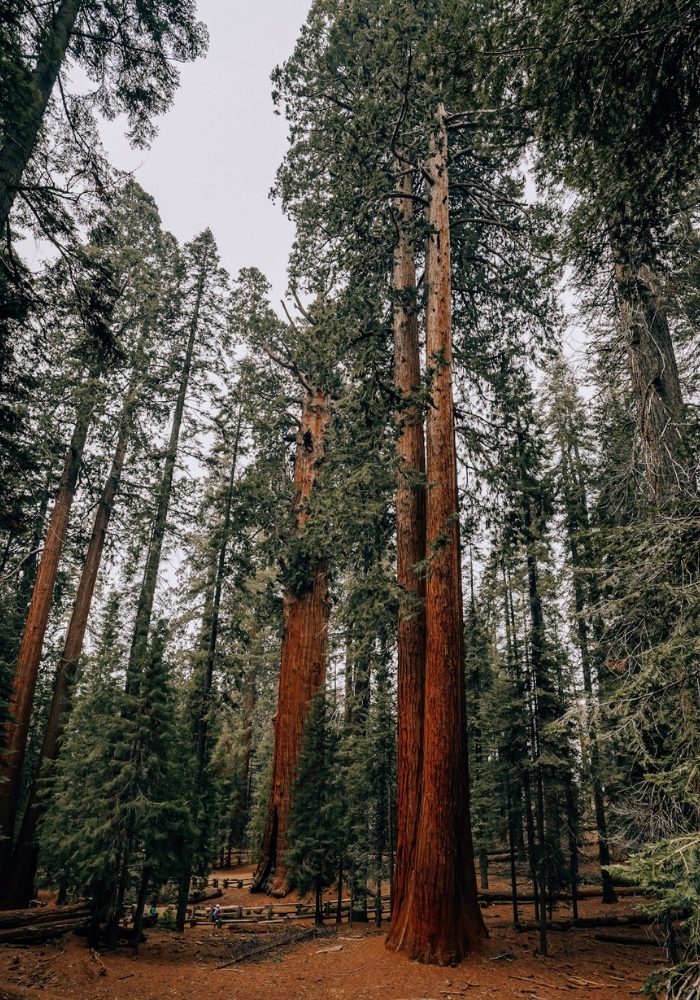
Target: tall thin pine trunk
{"type": "Point", "coordinates": [144, 610]}
{"type": "Point", "coordinates": [203, 702]}
{"type": "Point", "coordinates": [440, 920]}
{"type": "Point", "coordinates": [147, 592]}
{"type": "Point", "coordinates": [19, 886]}
{"type": "Point", "coordinates": [20, 144]}
{"type": "Point", "coordinates": [538, 687]}
{"type": "Point", "coordinates": [410, 551]}
{"type": "Point", "coordinates": [303, 659]}
{"type": "Point", "coordinates": [16, 730]}
{"type": "Point", "coordinates": [579, 534]}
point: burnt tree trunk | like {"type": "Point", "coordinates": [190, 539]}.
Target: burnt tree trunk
{"type": "Point", "coordinates": [440, 920]}
{"type": "Point", "coordinates": [306, 612]}
{"type": "Point", "coordinates": [661, 419]}
{"type": "Point", "coordinates": [18, 887]}
{"type": "Point", "coordinates": [19, 146]}
{"type": "Point", "coordinates": [410, 551]}
{"type": "Point", "coordinates": [26, 671]}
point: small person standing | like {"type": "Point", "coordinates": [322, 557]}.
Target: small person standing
{"type": "Point", "coordinates": [153, 913]}
{"type": "Point", "coordinates": [216, 916]}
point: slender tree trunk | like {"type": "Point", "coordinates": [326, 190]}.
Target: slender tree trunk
{"type": "Point", "coordinates": [511, 847]}
{"type": "Point", "coordinates": [571, 825]}
{"type": "Point", "coordinates": [26, 672]}
{"type": "Point", "coordinates": [303, 658]}
{"type": "Point", "coordinates": [247, 739]}
{"type": "Point", "coordinates": [18, 889]}
{"type": "Point", "coordinates": [339, 897]}
{"type": "Point", "coordinates": [578, 524]}
{"type": "Point", "coordinates": [661, 419]}
{"type": "Point", "coordinates": [318, 894]}
{"type": "Point", "coordinates": [539, 686]}
{"type": "Point", "coordinates": [440, 920]}
{"type": "Point", "coordinates": [19, 145]}
{"type": "Point", "coordinates": [138, 913]}
{"type": "Point", "coordinates": [410, 551]}
{"type": "Point", "coordinates": [147, 593]}
{"type": "Point", "coordinates": [203, 702]}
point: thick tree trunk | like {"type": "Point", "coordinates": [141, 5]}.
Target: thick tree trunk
{"type": "Point", "coordinates": [18, 887]}
{"type": "Point", "coordinates": [19, 146]}
{"type": "Point", "coordinates": [203, 701]}
{"type": "Point", "coordinates": [410, 551]}
{"type": "Point", "coordinates": [303, 658]}
{"type": "Point", "coordinates": [440, 920]}
{"type": "Point", "coordinates": [27, 669]}
{"type": "Point", "coordinates": [661, 419]}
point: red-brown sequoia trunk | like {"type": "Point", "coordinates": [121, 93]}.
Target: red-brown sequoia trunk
{"type": "Point", "coordinates": [303, 657]}
{"type": "Point", "coordinates": [26, 671]}
{"type": "Point", "coordinates": [410, 550]}
{"type": "Point", "coordinates": [440, 920]}
{"type": "Point", "coordinates": [19, 885]}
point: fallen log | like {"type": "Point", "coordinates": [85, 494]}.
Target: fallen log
{"type": "Point", "coordinates": [591, 922]}
{"type": "Point", "coordinates": [48, 915]}
{"type": "Point", "coordinates": [637, 941]}
{"type": "Point", "coordinates": [249, 951]}
{"type": "Point", "coordinates": [585, 892]}
{"type": "Point", "coordinates": [42, 932]}
{"type": "Point", "coordinates": [203, 897]}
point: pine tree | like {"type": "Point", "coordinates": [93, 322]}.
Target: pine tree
{"type": "Point", "coordinates": [315, 828]}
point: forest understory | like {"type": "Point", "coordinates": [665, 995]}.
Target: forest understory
{"type": "Point", "coordinates": [346, 961]}
{"type": "Point", "coordinates": [385, 574]}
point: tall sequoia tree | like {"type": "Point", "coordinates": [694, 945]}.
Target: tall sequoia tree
{"type": "Point", "coordinates": [410, 548]}
{"type": "Point", "coordinates": [440, 920]}
{"type": "Point", "coordinates": [140, 259]}
{"type": "Point", "coordinates": [303, 357]}
{"type": "Point", "coordinates": [306, 610]}
{"type": "Point", "coordinates": [95, 298]}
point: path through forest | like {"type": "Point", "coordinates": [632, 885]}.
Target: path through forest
{"type": "Point", "coordinates": [349, 962]}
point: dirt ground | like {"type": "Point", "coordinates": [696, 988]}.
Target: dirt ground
{"type": "Point", "coordinates": [349, 962]}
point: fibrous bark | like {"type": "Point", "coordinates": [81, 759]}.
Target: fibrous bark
{"type": "Point", "coordinates": [410, 551]}
{"type": "Point", "coordinates": [303, 659]}
{"type": "Point", "coordinates": [16, 729]}
{"type": "Point", "coordinates": [661, 420]}
{"type": "Point", "coordinates": [440, 920]}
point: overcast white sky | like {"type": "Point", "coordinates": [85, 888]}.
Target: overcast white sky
{"type": "Point", "coordinates": [217, 150]}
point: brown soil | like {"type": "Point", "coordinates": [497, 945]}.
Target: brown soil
{"type": "Point", "coordinates": [351, 962]}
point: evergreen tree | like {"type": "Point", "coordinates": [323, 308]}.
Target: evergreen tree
{"type": "Point", "coordinates": [315, 828]}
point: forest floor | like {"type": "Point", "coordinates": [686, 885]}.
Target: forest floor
{"type": "Point", "coordinates": [351, 962]}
